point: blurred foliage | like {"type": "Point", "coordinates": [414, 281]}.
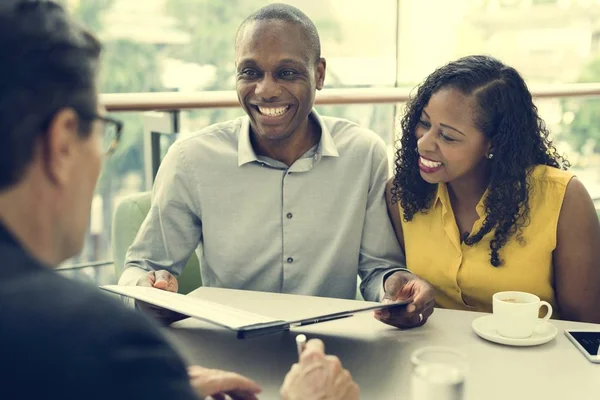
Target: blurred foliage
{"type": "Point", "coordinates": [585, 128]}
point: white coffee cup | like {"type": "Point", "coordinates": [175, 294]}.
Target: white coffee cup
{"type": "Point", "coordinates": [516, 313]}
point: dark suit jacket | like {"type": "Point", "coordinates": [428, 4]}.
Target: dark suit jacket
{"type": "Point", "coordinates": [61, 339]}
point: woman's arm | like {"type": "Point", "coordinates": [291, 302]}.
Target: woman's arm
{"type": "Point", "coordinates": [394, 214]}
{"type": "Point", "coordinates": [577, 256]}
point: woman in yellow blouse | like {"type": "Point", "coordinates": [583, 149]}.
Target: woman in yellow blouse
{"type": "Point", "coordinates": [481, 201]}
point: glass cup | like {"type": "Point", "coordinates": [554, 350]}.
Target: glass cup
{"type": "Point", "coordinates": [438, 374]}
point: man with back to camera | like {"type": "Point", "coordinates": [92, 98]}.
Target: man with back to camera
{"type": "Point", "coordinates": [62, 339]}
{"type": "Point", "coordinates": [282, 200]}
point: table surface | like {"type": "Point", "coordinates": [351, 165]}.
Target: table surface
{"type": "Point", "coordinates": [378, 356]}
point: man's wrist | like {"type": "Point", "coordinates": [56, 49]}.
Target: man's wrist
{"type": "Point", "coordinates": [390, 273]}
{"type": "Point", "coordinates": [387, 275]}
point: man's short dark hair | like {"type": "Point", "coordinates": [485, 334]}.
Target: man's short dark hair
{"type": "Point", "coordinates": [286, 13]}
{"type": "Point", "coordinates": [47, 62]}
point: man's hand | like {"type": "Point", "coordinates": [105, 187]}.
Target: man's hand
{"type": "Point", "coordinates": [402, 285]}
{"type": "Point", "coordinates": [162, 280]}
{"type": "Point", "coordinates": [318, 376]}
{"type": "Point", "coordinates": [219, 384]}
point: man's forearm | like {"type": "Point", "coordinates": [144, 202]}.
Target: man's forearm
{"type": "Point", "coordinates": [131, 275]}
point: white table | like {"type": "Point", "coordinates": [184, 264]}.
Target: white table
{"type": "Point", "coordinates": [378, 356]}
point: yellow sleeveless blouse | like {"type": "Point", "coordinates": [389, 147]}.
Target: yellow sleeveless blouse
{"type": "Point", "coordinates": [463, 275]}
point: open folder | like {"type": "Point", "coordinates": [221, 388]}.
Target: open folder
{"type": "Point", "coordinates": [246, 324]}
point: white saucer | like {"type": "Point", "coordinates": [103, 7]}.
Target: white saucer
{"type": "Point", "coordinates": [484, 327]}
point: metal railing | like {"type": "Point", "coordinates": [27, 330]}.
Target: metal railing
{"type": "Point", "coordinates": [91, 264]}
{"type": "Point", "coordinates": [170, 101]}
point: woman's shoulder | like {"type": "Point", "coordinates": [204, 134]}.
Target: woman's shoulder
{"type": "Point", "coordinates": [548, 187]}
{"type": "Point", "coordinates": [547, 175]}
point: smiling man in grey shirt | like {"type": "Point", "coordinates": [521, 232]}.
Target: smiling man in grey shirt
{"type": "Point", "coordinates": [282, 200]}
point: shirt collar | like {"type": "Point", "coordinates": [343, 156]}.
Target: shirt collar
{"type": "Point", "coordinates": [246, 153]}
{"type": "Point", "coordinates": [441, 195]}
{"type": "Point", "coordinates": [326, 146]}
{"type": "Point", "coordinates": [443, 198]}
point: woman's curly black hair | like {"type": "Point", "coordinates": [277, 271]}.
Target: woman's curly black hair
{"type": "Point", "coordinates": [519, 140]}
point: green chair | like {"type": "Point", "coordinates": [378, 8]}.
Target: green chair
{"type": "Point", "coordinates": [127, 219]}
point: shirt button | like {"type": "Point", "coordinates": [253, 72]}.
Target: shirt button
{"type": "Point", "coordinates": [289, 215]}
{"type": "Point", "coordinates": [290, 260]}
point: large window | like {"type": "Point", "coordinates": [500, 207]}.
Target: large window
{"type": "Point", "coordinates": [187, 45]}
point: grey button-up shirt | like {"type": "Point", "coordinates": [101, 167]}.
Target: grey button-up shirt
{"type": "Point", "coordinates": [258, 225]}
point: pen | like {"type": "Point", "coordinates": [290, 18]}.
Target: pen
{"type": "Point", "coordinates": [317, 320]}
{"type": "Point", "coordinates": [300, 344]}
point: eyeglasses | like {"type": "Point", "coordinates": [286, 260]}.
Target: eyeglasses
{"type": "Point", "coordinates": [112, 133]}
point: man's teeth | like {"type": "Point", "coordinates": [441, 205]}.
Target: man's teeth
{"type": "Point", "coordinates": [429, 163]}
{"type": "Point", "coordinates": [273, 111]}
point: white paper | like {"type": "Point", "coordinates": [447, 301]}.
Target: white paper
{"type": "Point", "coordinates": [216, 313]}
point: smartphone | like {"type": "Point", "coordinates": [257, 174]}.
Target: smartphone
{"type": "Point", "coordinates": [588, 342]}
